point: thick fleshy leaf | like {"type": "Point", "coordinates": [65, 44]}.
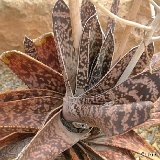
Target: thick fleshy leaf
{"type": "Point", "coordinates": [111, 22]}
{"type": "Point", "coordinates": [62, 28]}
{"type": "Point", "coordinates": [87, 10]}
{"type": "Point", "coordinates": [27, 93]}
{"type": "Point", "coordinates": [11, 151]}
{"type": "Point", "coordinates": [69, 91]}
{"type": "Point", "coordinates": [4, 134]}
{"type": "Point", "coordinates": [144, 60]}
{"type": "Point", "coordinates": [96, 36]}
{"type": "Point", "coordinates": [112, 77]}
{"type": "Point", "coordinates": [13, 137]}
{"type": "Point", "coordinates": [93, 155]}
{"type": "Point", "coordinates": [112, 119]}
{"type": "Point", "coordinates": [143, 87]}
{"type": "Point", "coordinates": [113, 153]}
{"type": "Point", "coordinates": [129, 141]}
{"type": "Point", "coordinates": [76, 152]}
{"type": "Point", "coordinates": [90, 45]}
{"type": "Point", "coordinates": [29, 47]}
{"type": "Point", "coordinates": [50, 141]}
{"type": "Point", "coordinates": [26, 115]}
{"type": "Point", "coordinates": [34, 73]}
{"type": "Point", "coordinates": [155, 119]}
{"type": "Point", "coordinates": [47, 52]}
{"type": "Point", "coordinates": [104, 59]}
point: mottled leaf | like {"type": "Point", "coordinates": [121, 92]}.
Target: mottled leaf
{"type": "Point", "coordinates": [87, 10]}
{"type": "Point", "coordinates": [112, 77]}
{"type": "Point", "coordinates": [27, 93]}
{"type": "Point", "coordinates": [113, 153]}
{"type": "Point", "coordinates": [90, 45]}
{"type": "Point", "coordinates": [34, 73]}
{"type": "Point", "coordinates": [47, 52]}
{"type": "Point", "coordinates": [29, 47]}
{"type": "Point", "coordinates": [144, 61]}
{"type": "Point", "coordinates": [104, 59]}
{"type": "Point", "coordinates": [26, 115]}
{"type": "Point", "coordinates": [112, 119]}
{"type": "Point", "coordinates": [143, 87]}
{"type": "Point", "coordinates": [50, 141]}
{"type": "Point", "coordinates": [130, 141]}
{"type": "Point", "coordinates": [111, 22]}
{"type": "Point", "coordinates": [13, 137]}
{"type": "Point", "coordinates": [11, 151]}
{"type": "Point", "coordinates": [62, 27]}
{"type": "Point", "coordinates": [76, 152]}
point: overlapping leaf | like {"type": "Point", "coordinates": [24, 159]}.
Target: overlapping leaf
{"type": "Point", "coordinates": [90, 45]}
{"type": "Point", "coordinates": [62, 27]}
{"type": "Point", "coordinates": [111, 78]}
{"type": "Point", "coordinates": [40, 106]}
{"type": "Point", "coordinates": [33, 73]}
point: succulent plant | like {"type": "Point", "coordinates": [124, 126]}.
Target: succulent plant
{"type": "Point", "coordinates": [74, 108]}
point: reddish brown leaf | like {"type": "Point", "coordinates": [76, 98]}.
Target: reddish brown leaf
{"type": "Point", "coordinates": [90, 45]}
{"type": "Point", "coordinates": [34, 73]}
{"type": "Point", "coordinates": [26, 115]}
{"type": "Point", "coordinates": [29, 47]}
{"type": "Point", "coordinates": [130, 141]}
{"type": "Point", "coordinates": [50, 141]}
{"type": "Point", "coordinates": [104, 59]}
{"type": "Point", "coordinates": [27, 93]}
{"type": "Point", "coordinates": [91, 152]}
{"type": "Point", "coordinates": [13, 137]}
{"type": "Point", "coordinates": [47, 52]}
{"type": "Point", "coordinates": [77, 152]}
{"type": "Point", "coordinates": [113, 153]}
{"type": "Point", "coordinates": [87, 10]}
{"type": "Point", "coordinates": [143, 87]}
{"type": "Point", "coordinates": [11, 151]}
{"type": "Point", "coordinates": [112, 77]}
{"type": "Point", "coordinates": [112, 119]}
{"type": "Point", "coordinates": [63, 30]}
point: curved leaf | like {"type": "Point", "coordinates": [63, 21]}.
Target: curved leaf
{"type": "Point", "coordinates": [34, 73]}
{"type": "Point", "coordinates": [50, 141]}
{"type": "Point", "coordinates": [87, 10]}
{"type": "Point", "coordinates": [143, 87]}
{"type": "Point", "coordinates": [27, 93]}
{"type": "Point", "coordinates": [90, 45]}
{"type": "Point", "coordinates": [62, 27]}
{"type": "Point", "coordinates": [130, 141]}
{"type": "Point", "coordinates": [12, 138]}
{"type": "Point", "coordinates": [104, 59]}
{"type": "Point", "coordinates": [29, 47]}
{"type": "Point", "coordinates": [47, 52]}
{"type": "Point", "coordinates": [111, 78]}
{"type": "Point", "coordinates": [26, 115]}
